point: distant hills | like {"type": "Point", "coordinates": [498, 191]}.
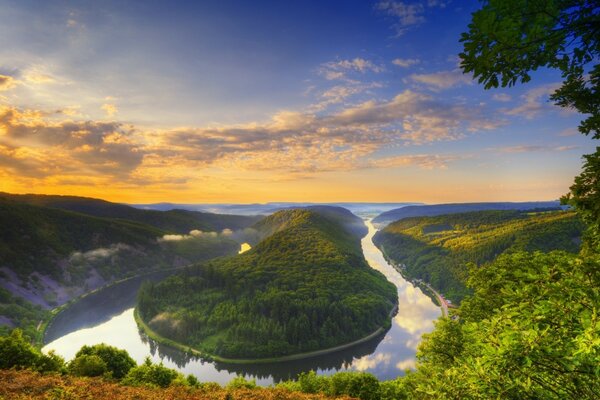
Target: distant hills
{"type": "Point", "coordinates": [304, 287]}
{"type": "Point", "coordinates": [453, 208]}
{"type": "Point", "coordinates": [54, 248]}
{"type": "Point", "coordinates": [438, 249]}
{"type": "Point", "coordinates": [270, 208]}
{"type": "Point", "coordinates": [173, 220]}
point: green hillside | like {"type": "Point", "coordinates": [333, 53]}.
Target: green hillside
{"type": "Point", "coordinates": [49, 255]}
{"type": "Point", "coordinates": [432, 210]}
{"type": "Point", "coordinates": [281, 220]}
{"type": "Point", "coordinates": [305, 287]}
{"type": "Point", "coordinates": [178, 221]}
{"type": "Point", "coordinates": [438, 249]}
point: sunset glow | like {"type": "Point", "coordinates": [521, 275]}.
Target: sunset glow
{"type": "Point", "coordinates": [351, 101]}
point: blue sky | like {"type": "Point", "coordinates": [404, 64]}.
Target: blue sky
{"type": "Point", "coordinates": [268, 101]}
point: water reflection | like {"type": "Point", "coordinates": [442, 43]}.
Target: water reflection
{"type": "Point", "coordinates": [107, 317]}
{"type": "Point", "coordinates": [244, 247]}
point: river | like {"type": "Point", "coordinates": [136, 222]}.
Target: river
{"type": "Point", "coordinates": [107, 317]}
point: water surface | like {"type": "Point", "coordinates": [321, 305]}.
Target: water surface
{"type": "Point", "coordinates": [107, 317]}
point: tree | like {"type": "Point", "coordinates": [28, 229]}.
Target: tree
{"type": "Point", "coordinates": [118, 362]}
{"type": "Point", "coordinates": [16, 351]}
{"type": "Point", "coordinates": [87, 365]}
{"type": "Point", "coordinates": [531, 330]}
{"type": "Point", "coordinates": [507, 39]}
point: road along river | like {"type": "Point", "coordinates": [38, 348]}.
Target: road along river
{"type": "Point", "coordinates": [107, 317]}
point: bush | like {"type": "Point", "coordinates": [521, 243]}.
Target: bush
{"type": "Point", "coordinates": [149, 374]}
{"type": "Point", "coordinates": [50, 362]}
{"type": "Point", "coordinates": [312, 383]}
{"type": "Point", "coordinates": [16, 351]}
{"type": "Point", "coordinates": [239, 382]}
{"type": "Point", "coordinates": [355, 384]}
{"type": "Point", "coordinates": [87, 365]}
{"type": "Point", "coordinates": [393, 390]}
{"type": "Point", "coordinates": [118, 362]}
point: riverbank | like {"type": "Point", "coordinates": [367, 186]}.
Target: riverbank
{"type": "Point", "coordinates": [45, 325]}
{"type": "Point", "coordinates": [293, 357]}
{"type": "Point", "coordinates": [434, 294]}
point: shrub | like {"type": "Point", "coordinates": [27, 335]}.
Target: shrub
{"type": "Point", "coordinates": [87, 365]}
{"type": "Point", "coordinates": [239, 382]}
{"type": "Point", "coordinates": [16, 351]}
{"type": "Point", "coordinates": [355, 384]}
{"type": "Point", "coordinates": [118, 362]}
{"type": "Point", "coordinates": [149, 374]}
{"type": "Point", "coordinates": [50, 362]}
{"type": "Point", "coordinates": [312, 383]}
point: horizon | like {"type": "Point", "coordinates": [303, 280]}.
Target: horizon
{"type": "Point", "coordinates": [242, 103]}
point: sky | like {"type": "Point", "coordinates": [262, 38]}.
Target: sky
{"type": "Point", "coordinates": [242, 102]}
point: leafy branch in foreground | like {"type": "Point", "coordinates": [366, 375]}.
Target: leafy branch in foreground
{"type": "Point", "coordinates": [507, 39]}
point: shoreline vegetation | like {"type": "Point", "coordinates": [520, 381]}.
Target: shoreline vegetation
{"type": "Point", "coordinates": [427, 289]}
{"type": "Point", "coordinates": [303, 288]}
{"type": "Point", "coordinates": [55, 312]}
{"type": "Point", "coordinates": [142, 325]}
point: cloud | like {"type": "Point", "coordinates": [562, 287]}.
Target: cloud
{"type": "Point", "coordinates": [110, 109]}
{"type": "Point", "coordinates": [7, 82]}
{"type": "Point", "coordinates": [419, 117]}
{"type": "Point", "coordinates": [407, 15]}
{"type": "Point", "coordinates": [84, 146]}
{"type": "Point", "coordinates": [535, 148]}
{"type": "Point", "coordinates": [442, 80]}
{"type": "Point", "coordinates": [337, 70]}
{"type": "Point", "coordinates": [99, 253]}
{"type": "Point", "coordinates": [568, 132]}
{"type": "Point", "coordinates": [423, 161]}
{"type": "Point", "coordinates": [405, 62]}
{"type": "Point", "coordinates": [339, 93]}
{"type": "Point", "coordinates": [36, 76]}
{"type": "Point", "coordinates": [534, 101]}
{"type": "Point", "coordinates": [502, 97]}
{"type": "Point", "coordinates": [291, 145]}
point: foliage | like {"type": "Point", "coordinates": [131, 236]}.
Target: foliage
{"type": "Point", "coordinates": [17, 352]}
{"type": "Point", "coordinates": [433, 210]}
{"type": "Point", "coordinates": [28, 385]}
{"type": "Point", "coordinates": [38, 241]}
{"type": "Point", "coordinates": [149, 374]}
{"type": "Point", "coordinates": [531, 330]}
{"type": "Point", "coordinates": [173, 221]}
{"type": "Point", "coordinates": [239, 382]}
{"type": "Point", "coordinates": [21, 313]}
{"type": "Point", "coordinates": [305, 287]}
{"type": "Point", "coordinates": [359, 385]}
{"type": "Point", "coordinates": [509, 39]}
{"type": "Point", "coordinates": [438, 249]}
{"type": "Point", "coordinates": [87, 365]}
{"type": "Point", "coordinates": [118, 362]}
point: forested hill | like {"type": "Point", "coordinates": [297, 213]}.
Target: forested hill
{"type": "Point", "coordinates": [305, 287]}
{"type": "Point", "coordinates": [49, 255]}
{"type": "Point", "coordinates": [438, 249]}
{"type": "Point", "coordinates": [176, 221]}
{"type": "Point", "coordinates": [442, 209]}
{"type": "Point", "coordinates": [278, 221]}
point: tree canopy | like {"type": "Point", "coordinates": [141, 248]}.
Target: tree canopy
{"type": "Point", "coordinates": [508, 39]}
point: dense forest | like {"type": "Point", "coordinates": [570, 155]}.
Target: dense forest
{"type": "Point", "coordinates": [175, 221]}
{"type": "Point", "coordinates": [304, 287]}
{"type": "Point", "coordinates": [439, 249]}
{"type": "Point", "coordinates": [49, 255]}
